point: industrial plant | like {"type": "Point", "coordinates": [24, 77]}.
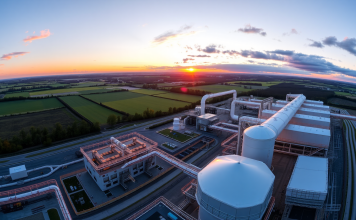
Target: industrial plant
{"type": "Point", "coordinates": [239, 184]}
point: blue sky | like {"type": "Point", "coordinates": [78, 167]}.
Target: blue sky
{"type": "Point", "coordinates": [120, 36]}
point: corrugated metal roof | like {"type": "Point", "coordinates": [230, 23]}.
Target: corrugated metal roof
{"type": "Point", "coordinates": [310, 174]}
{"type": "Point", "coordinates": [236, 181]}
{"type": "Point", "coordinates": [305, 129]}
{"type": "Point", "coordinates": [310, 117]}
{"type": "Point", "coordinates": [17, 169]}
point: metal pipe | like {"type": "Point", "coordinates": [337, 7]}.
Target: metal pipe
{"type": "Point", "coordinates": [222, 128]}
{"type": "Point", "coordinates": [231, 125]}
{"type": "Point", "coordinates": [187, 168]}
{"type": "Point", "coordinates": [60, 199]}
{"type": "Point", "coordinates": [234, 102]}
{"type": "Point", "coordinates": [341, 116]}
{"type": "Point", "coordinates": [202, 105]}
{"type": "Point", "coordinates": [279, 120]}
{"type": "Point", "coordinates": [246, 119]}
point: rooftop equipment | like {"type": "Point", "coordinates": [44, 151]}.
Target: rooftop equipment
{"type": "Point", "coordinates": [234, 187]}
{"type": "Point", "coordinates": [305, 111]}
{"type": "Point", "coordinates": [259, 139]}
{"type": "Point", "coordinates": [18, 172]}
{"type": "Point", "coordinates": [308, 185]}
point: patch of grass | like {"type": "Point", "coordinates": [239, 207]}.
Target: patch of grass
{"type": "Point", "coordinates": [140, 104]}
{"type": "Point", "coordinates": [44, 119]}
{"type": "Point", "coordinates": [166, 146]}
{"type": "Point", "coordinates": [53, 214]}
{"type": "Point", "coordinates": [90, 110]}
{"type": "Point", "coordinates": [148, 91]}
{"type": "Point", "coordinates": [17, 94]}
{"type": "Point", "coordinates": [79, 207]}
{"type": "Point", "coordinates": [343, 94]}
{"type": "Point", "coordinates": [176, 135]}
{"type": "Point", "coordinates": [28, 105]}
{"type": "Point", "coordinates": [72, 181]}
{"type": "Point", "coordinates": [180, 97]}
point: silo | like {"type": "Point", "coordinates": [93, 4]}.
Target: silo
{"type": "Point", "coordinates": [234, 187]}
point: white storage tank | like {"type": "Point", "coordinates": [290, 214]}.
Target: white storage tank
{"type": "Point", "coordinates": [234, 187]}
{"type": "Point", "coordinates": [18, 172]}
{"type": "Point", "coordinates": [176, 124]}
{"type": "Point", "coordinates": [258, 143]}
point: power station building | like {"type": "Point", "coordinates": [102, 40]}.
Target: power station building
{"type": "Point", "coordinates": [104, 163]}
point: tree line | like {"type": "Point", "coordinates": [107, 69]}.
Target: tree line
{"type": "Point", "coordinates": [43, 136]}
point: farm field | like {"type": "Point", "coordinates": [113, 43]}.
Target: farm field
{"type": "Point", "coordinates": [93, 112]}
{"type": "Point", "coordinates": [44, 119]}
{"type": "Point", "coordinates": [97, 91]}
{"type": "Point", "coordinates": [139, 104]}
{"type": "Point", "coordinates": [28, 105]}
{"type": "Point", "coordinates": [148, 91]}
{"type": "Point", "coordinates": [343, 94]}
{"type": "Point", "coordinates": [181, 97]}
{"type": "Point", "coordinates": [263, 83]}
{"type": "Point", "coordinates": [54, 91]}
{"type": "Point", "coordinates": [220, 88]}
{"type": "Point", "coordinates": [17, 94]}
{"type": "Point", "coordinates": [85, 84]}
{"type": "Point", "coordinates": [114, 96]}
{"type": "Point", "coordinates": [338, 101]}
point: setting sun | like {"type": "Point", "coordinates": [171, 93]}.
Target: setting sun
{"type": "Point", "coordinates": [191, 69]}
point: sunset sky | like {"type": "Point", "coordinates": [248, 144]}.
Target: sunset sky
{"type": "Point", "coordinates": [303, 38]}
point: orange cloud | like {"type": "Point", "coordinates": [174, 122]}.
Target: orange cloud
{"type": "Point", "coordinates": [11, 55]}
{"type": "Point", "coordinates": [44, 34]}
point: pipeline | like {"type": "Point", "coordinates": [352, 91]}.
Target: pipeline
{"type": "Point", "coordinates": [341, 116]}
{"type": "Point", "coordinates": [234, 102]}
{"type": "Point", "coordinates": [202, 105]}
{"type": "Point", "coordinates": [60, 199]}
{"type": "Point", "coordinates": [189, 169]}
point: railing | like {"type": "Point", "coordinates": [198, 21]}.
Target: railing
{"type": "Point", "coordinates": [35, 190]}
{"type": "Point", "coordinates": [165, 202]}
{"type": "Point", "coordinates": [150, 144]}
{"type": "Point", "coordinates": [190, 188]}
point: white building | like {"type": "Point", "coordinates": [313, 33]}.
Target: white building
{"type": "Point", "coordinates": [103, 161]}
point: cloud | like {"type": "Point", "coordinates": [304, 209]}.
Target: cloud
{"type": "Point", "coordinates": [160, 39]}
{"type": "Point", "coordinates": [198, 56]}
{"type": "Point", "coordinates": [44, 34]}
{"type": "Point", "coordinates": [283, 52]}
{"type": "Point", "coordinates": [293, 31]}
{"type": "Point", "coordinates": [2, 64]}
{"type": "Point", "coordinates": [248, 29]}
{"type": "Point", "coordinates": [316, 44]}
{"type": "Point", "coordinates": [185, 60]}
{"type": "Point", "coordinates": [209, 49]}
{"type": "Point", "coordinates": [348, 44]}
{"type": "Point", "coordinates": [9, 56]}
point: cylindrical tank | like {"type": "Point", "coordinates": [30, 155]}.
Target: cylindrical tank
{"type": "Point", "coordinates": [258, 143]}
{"type": "Point", "coordinates": [176, 125]}
{"type": "Point", "coordinates": [234, 187]}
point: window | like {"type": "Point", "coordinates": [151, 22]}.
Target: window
{"type": "Point", "coordinates": [95, 178]}
{"type": "Point", "coordinates": [106, 179]}
{"type": "Point", "coordinates": [115, 182]}
{"type": "Point", "coordinates": [141, 169]}
{"type": "Point", "coordinates": [108, 185]}
{"type": "Point", "coordinates": [113, 176]}
{"type": "Point", "coordinates": [153, 163]}
{"type": "Point", "coordinates": [135, 172]}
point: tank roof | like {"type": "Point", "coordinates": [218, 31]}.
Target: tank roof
{"type": "Point", "coordinates": [260, 132]}
{"type": "Point", "coordinates": [236, 180]}
{"type": "Point", "coordinates": [310, 174]}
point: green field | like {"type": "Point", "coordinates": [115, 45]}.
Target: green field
{"type": "Point", "coordinates": [220, 88]}
{"type": "Point", "coordinates": [93, 112]}
{"type": "Point", "coordinates": [113, 96]}
{"type": "Point", "coordinates": [176, 135]}
{"type": "Point", "coordinates": [138, 105]}
{"type": "Point", "coordinates": [17, 94]}
{"type": "Point", "coordinates": [97, 91]}
{"type": "Point", "coordinates": [85, 84]}
{"type": "Point", "coordinates": [272, 83]}
{"type": "Point", "coordinates": [42, 119]}
{"type": "Point", "coordinates": [148, 91]}
{"type": "Point", "coordinates": [181, 97]}
{"type": "Point", "coordinates": [29, 105]}
{"type": "Point", "coordinates": [54, 91]}
{"type": "Point", "coordinates": [343, 94]}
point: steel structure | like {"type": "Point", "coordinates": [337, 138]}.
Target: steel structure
{"type": "Point", "coordinates": [205, 97]}
{"type": "Point", "coordinates": [35, 190]}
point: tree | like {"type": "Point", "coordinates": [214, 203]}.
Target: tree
{"type": "Point", "coordinates": [96, 126]}
{"type": "Point", "coordinates": [111, 120]}
{"type": "Point", "coordinates": [118, 119]}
